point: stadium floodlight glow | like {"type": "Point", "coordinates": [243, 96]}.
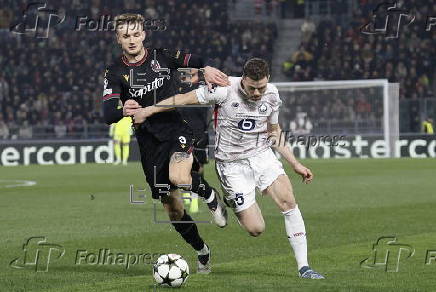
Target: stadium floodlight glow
{"type": "Point", "coordinates": [371, 93]}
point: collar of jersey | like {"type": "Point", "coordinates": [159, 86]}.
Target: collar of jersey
{"type": "Point", "coordinates": [139, 63]}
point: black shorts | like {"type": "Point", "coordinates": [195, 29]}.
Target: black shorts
{"type": "Point", "coordinates": [155, 159]}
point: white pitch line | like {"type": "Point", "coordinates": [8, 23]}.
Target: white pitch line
{"type": "Point", "coordinates": [18, 183]}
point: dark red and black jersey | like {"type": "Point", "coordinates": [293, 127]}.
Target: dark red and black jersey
{"type": "Point", "coordinates": [147, 81]}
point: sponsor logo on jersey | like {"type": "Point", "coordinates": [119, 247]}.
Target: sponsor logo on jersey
{"type": "Point", "coordinates": [139, 93]}
{"type": "Point", "coordinates": [126, 77]}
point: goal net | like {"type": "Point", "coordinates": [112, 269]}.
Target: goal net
{"type": "Point", "coordinates": [345, 108]}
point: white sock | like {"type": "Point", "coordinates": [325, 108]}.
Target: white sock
{"type": "Point", "coordinates": [203, 251]}
{"type": "Point", "coordinates": [296, 232]}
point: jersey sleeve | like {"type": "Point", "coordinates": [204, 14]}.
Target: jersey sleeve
{"type": "Point", "coordinates": [111, 98]}
{"type": "Point", "coordinates": [217, 95]}
{"type": "Point", "coordinates": [112, 87]}
{"type": "Point", "coordinates": [276, 103]}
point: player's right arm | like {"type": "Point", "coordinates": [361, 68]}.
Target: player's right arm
{"type": "Point", "coordinates": [111, 97]}
{"type": "Point", "coordinates": [202, 95]}
{"type": "Point", "coordinates": [112, 113]}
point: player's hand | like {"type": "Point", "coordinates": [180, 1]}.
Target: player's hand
{"type": "Point", "coordinates": [305, 173]}
{"type": "Point", "coordinates": [141, 115]}
{"type": "Point", "coordinates": [214, 76]}
{"type": "Point", "coordinates": [130, 107]}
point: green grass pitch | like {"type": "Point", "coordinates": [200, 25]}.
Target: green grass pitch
{"type": "Point", "coordinates": [349, 205]}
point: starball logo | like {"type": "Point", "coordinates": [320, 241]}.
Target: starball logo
{"type": "Point", "coordinates": [388, 18]}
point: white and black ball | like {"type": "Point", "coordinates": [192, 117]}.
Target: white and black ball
{"type": "Point", "coordinates": [170, 270]}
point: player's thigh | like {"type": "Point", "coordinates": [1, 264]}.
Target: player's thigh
{"type": "Point", "coordinates": [238, 184]}
{"type": "Point", "coordinates": [155, 161]}
{"type": "Point", "coordinates": [282, 193]}
{"type": "Point", "coordinates": [180, 168]}
{"type": "Point", "coordinates": [252, 220]}
{"type": "Point", "coordinates": [173, 204]}
{"type": "Point", "coordinates": [181, 158]}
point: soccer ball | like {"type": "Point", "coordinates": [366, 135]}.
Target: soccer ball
{"type": "Point", "coordinates": [170, 270]}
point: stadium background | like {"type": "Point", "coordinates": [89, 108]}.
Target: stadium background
{"type": "Point", "coordinates": [50, 112]}
{"type": "Point", "coordinates": [51, 88]}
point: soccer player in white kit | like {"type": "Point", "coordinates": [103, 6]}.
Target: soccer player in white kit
{"type": "Point", "coordinates": [246, 130]}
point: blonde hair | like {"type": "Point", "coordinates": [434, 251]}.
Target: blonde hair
{"type": "Point", "coordinates": [128, 18]}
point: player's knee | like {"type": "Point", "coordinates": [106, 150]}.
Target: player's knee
{"type": "Point", "coordinates": [287, 204]}
{"type": "Point", "coordinates": [180, 179]}
{"type": "Point", "coordinates": [257, 230]}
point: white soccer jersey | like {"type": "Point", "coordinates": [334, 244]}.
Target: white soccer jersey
{"type": "Point", "coordinates": [241, 129]}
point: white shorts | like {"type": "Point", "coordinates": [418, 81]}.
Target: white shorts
{"type": "Point", "coordinates": [240, 178]}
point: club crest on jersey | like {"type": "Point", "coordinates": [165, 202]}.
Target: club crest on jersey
{"type": "Point", "coordinates": [213, 89]}
{"type": "Point", "coordinates": [154, 65]}
{"type": "Point", "coordinates": [126, 77]}
{"type": "Point", "coordinates": [263, 108]}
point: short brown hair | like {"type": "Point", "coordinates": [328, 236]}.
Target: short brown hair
{"type": "Point", "coordinates": [256, 69]}
{"type": "Point", "coordinates": [129, 18]}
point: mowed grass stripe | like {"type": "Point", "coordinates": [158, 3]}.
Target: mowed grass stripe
{"type": "Point", "coordinates": [350, 204]}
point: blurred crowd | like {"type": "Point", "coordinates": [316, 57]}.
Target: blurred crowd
{"type": "Point", "coordinates": [53, 85]}
{"type": "Point", "coordinates": [330, 51]}
{"type": "Point", "coordinates": [335, 111]}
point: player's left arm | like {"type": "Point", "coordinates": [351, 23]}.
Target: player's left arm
{"type": "Point", "coordinates": [279, 144]}
{"type": "Point", "coordinates": [186, 60]}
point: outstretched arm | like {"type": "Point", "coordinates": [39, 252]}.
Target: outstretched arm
{"type": "Point", "coordinates": [279, 144]}
{"type": "Point", "coordinates": [167, 104]}
{"type": "Point", "coordinates": [203, 95]}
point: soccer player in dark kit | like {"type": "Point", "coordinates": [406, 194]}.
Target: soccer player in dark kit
{"type": "Point", "coordinates": [137, 80]}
